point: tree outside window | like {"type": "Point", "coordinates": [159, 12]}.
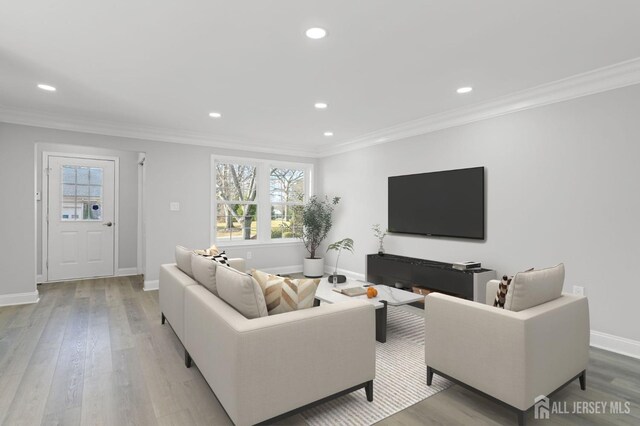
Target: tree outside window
{"type": "Point", "coordinates": [237, 204]}
{"type": "Point", "coordinates": [287, 196]}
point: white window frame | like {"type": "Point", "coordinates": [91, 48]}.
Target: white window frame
{"type": "Point", "coordinates": [263, 197]}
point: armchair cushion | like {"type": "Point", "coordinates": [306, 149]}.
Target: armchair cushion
{"type": "Point", "coordinates": [532, 288]}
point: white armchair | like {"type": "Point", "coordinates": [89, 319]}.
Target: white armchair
{"type": "Point", "coordinates": [512, 357]}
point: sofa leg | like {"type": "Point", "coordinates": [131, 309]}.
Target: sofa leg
{"type": "Point", "coordinates": [162, 318]}
{"type": "Point", "coordinates": [583, 380]}
{"type": "Point", "coordinates": [429, 375]}
{"type": "Point", "coordinates": [187, 359]}
{"type": "Point", "coordinates": [521, 417]}
{"type": "Point", "coordinates": [368, 388]}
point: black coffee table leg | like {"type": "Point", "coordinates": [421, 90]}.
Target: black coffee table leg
{"type": "Point", "coordinates": [381, 323]}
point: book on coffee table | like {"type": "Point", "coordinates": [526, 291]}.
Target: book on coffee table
{"type": "Point", "coordinates": [351, 291]}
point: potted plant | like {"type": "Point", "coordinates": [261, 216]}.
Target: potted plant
{"type": "Point", "coordinates": [316, 224]}
{"type": "Point", "coordinates": [379, 234]}
{"type": "Point", "coordinates": [344, 244]}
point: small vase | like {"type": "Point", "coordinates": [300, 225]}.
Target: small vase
{"type": "Point", "coordinates": [381, 250]}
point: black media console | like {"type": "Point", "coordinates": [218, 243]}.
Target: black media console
{"type": "Point", "coordinates": [407, 272]}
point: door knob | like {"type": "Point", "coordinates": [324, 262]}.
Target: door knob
{"type": "Point", "coordinates": [108, 224]}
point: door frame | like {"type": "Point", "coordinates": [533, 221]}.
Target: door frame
{"type": "Point", "coordinates": [45, 205]}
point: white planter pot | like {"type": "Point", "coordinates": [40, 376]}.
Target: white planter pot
{"type": "Point", "coordinates": [313, 268]}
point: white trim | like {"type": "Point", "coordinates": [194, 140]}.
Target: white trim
{"type": "Point", "coordinates": [19, 298]}
{"type": "Point", "coordinates": [620, 345]}
{"type": "Point", "coordinates": [142, 157]}
{"type": "Point", "coordinates": [599, 80]}
{"type": "Point", "coordinates": [40, 279]}
{"type": "Point", "coordinates": [151, 285]}
{"type": "Point", "coordinates": [328, 269]}
{"type": "Point", "coordinates": [45, 204]}
{"type": "Point", "coordinates": [262, 201]}
{"type": "Point", "coordinates": [125, 272]}
{"type": "Point", "coordinates": [82, 124]}
{"type": "Point", "coordinates": [291, 269]}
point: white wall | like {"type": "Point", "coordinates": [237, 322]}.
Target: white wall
{"type": "Point", "coordinates": [127, 225]}
{"type": "Point", "coordinates": [174, 172]}
{"type": "Point", "coordinates": [562, 185]}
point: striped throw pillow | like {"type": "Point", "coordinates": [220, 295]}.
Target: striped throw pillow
{"type": "Point", "coordinates": [284, 294]}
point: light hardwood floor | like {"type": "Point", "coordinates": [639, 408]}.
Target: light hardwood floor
{"type": "Point", "coordinates": [93, 352]}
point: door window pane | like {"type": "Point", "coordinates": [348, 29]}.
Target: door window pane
{"type": "Point", "coordinates": [81, 193]}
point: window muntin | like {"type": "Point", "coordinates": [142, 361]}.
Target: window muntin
{"type": "Point", "coordinates": [81, 193]}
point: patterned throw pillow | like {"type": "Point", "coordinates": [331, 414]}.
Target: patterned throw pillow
{"type": "Point", "coordinates": [283, 294]}
{"type": "Point", "coordinates": [501, 295]}
{"type": "Point", "coordinates": [221, 258]}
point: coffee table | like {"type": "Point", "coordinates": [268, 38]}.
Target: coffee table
{"type": "Point", "coordinates": [386, 296]}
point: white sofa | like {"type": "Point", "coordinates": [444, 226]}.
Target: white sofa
{"type": "Point", "coordinates": [270, 367]}
{"type": "Point", "coordinates": [511, 356]}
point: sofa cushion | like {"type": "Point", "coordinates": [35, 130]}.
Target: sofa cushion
{"type": "Point", "coordinates": [221, 258]}
{"type": "Point", "coordinates": [501, 294]}
{"type": "Point", "coordinates": [241, 291]}
{"type": "Point", "coordinates": [284, 294]}
{"type": "Point", "coordinates": [533, 288]}
{"type": "Point", "coordinates": [204, 271]}
{"type": "Point", "coordinates": [183, 260]}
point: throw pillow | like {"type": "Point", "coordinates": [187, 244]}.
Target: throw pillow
{"type": "Point", "coordinates": [221, 258]}
{"type": "Point", "coordinates": [240, 291]}
{"type": "Point", "coordinates": [532, 288]}
{"type": "Point", "coordinates": [211, 251]}
{"type": "Point", "coordinates": [183, 260]}
{"type": "Point", "coordinates": [501, 295]}
{"type": "Point", "coordinates": [283, 294]}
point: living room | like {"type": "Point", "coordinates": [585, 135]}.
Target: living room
{"type": "Point", "coordinates": [551, 117]}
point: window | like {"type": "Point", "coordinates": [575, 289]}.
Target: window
{"type": "Point", "coordinates": [81, 193]}
{"type": "Point", "coordinates": [287, 195]}
{"type": "Point", "coordinates": [236, 207]}
{"type": "Point", "coordinates": [258, 200]}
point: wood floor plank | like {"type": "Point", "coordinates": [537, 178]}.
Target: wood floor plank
{"type": "Point", "coordinates": [99, 400]}
{"type": "Point", "coordinates": [98, 353]}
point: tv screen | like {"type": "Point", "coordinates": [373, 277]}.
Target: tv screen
{"type": "Point", "coordinates": [447, 204]}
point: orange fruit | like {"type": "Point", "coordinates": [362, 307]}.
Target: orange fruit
{"type": "Point", "coordinates": [371, 292]}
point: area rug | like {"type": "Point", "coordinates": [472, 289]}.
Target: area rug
{"type": "Point", "coordinates": [400, 381]}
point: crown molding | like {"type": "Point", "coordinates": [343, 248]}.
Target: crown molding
{"type": "Point", "coordinates": [77, 124]}
{"type": "Point", "coordinates": [600, 80]}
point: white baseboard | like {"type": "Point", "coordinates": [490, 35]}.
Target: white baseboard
{"type": "Point", "coordinates": [349, 274]}
{"type": "Point", "coordinates": [611, 343]}
{"type": "Point", "coordinates": [151, 285]}
{"type": "Point", "coordinates": [282, 269]}
{"type": "Point", "coordinates": [19, 298]}
{"type": "Point", "coordinates": [123, 272]}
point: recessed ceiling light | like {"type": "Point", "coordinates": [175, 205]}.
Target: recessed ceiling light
{"type": "Point", "coordinates": [328, 134]}
{"type": "Point", "coordinates": [316, 33]}
{"type": "Point", "coordinates": [320, 105]}
{"type": "Point", "coordinates": [464, 90]}
{"type": "Point", "coordinates": [46, 87]}
{"type": "Point", "coordinates": [215, 115]}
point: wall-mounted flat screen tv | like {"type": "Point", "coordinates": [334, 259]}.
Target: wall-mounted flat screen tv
{"type": "Point", "coordinates": [446, 204]}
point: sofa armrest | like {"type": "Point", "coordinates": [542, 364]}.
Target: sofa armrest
{"type": "Point", "coordinates": [512, 356]}
{"type": "Point", "coordinates": [267, 366]}
{"type": "Point", "coordinates": [172, 283]}
{"type": "Point", "coordinates": [238, 263]}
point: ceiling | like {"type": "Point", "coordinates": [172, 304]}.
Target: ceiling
{"type": "Point", "coordinates": [159, 66]}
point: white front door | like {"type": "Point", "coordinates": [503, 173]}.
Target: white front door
{"type": "Point", "coordinates": [81, 213]}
